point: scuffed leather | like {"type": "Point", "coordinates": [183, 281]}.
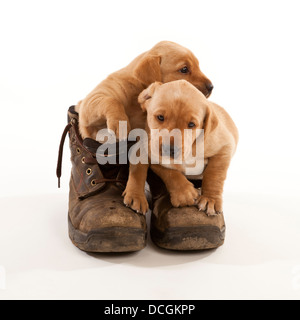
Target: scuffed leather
{"type": "Point", "coordinates": [82, 181]}
{"type": "Point", "coordinates": [165, 216]}
{"type": "Point", "coordinates": [93, 208]}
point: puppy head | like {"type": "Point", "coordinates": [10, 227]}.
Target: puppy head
{"type": "Point", "coordinates": [167, 62]}
{"type": "Point", "coordinates": [175, 107]}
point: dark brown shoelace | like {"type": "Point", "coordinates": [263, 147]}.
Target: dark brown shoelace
{"type": "Point", "coordinates": [61, 152]}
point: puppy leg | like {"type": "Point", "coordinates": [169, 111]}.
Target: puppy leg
{"type": "Point", "coordinates": [96, 110]}
{"type": "Point", "coordinates": [182, 192]}
{"type": "Point", "coordinates": [134, 194]}
{"type": "Point", "coordinates": [211, 200]}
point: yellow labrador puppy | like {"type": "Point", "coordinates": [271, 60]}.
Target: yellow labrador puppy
{"type": "Point", "coordinates": [179, 105]}
{"type": "Point", "coordinates": [116, 98]}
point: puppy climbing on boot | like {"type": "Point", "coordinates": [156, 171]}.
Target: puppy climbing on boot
{"type": "Point", "coordinates": [115, 98]}
{"type": "Point", "coordinates": [179, 105]}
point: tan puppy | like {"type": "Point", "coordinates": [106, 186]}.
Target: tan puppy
{"type": "Point", "coordinates": [179, 105]}
{"type": "Point", "coordinates": [116, 98]}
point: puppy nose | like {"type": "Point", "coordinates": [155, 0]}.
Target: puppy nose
{"type": "Point", "coordinates": [170, 150]}
{"type": "Point", "coordinates": [210, 87]}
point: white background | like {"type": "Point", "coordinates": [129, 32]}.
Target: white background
{"type": "Point", "coordinates": [53, 53]}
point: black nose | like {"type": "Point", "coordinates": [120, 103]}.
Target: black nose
{"type": "Point", "coordinates": [210, 87]}
{"type": "Point", "coordinates": [170, 150]}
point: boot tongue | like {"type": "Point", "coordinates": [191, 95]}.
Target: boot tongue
{"type": "Point", "coordinates": [91, 145]}
{"type": "Point", "coordinates": [111, 171]}
{"type": "Point", "coordinates": [121, 147]}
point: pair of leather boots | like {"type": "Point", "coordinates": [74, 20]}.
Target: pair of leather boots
{"type": "Point", "coordinates": [100, 222]}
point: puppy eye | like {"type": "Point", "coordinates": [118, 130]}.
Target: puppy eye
{"type": "Point", "coordinates": [192, 125]}
{"type": "Point", "coordinates": [161, 118]}
{"type": "Point", "coordinates": [184, 70]}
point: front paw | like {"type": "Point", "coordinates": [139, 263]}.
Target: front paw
{"type": "Point", "coordinates": [136, 201]}
{"type": "Point", "coordinates": [211, 206]}
{"type": "Point", "coordinates": [184, 197]}
{"type": "Point", "coordinates": [121, 131]}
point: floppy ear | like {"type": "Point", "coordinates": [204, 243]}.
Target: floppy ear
{"type": "Point", "coordinates": [148, 94]}
{"type": "Point", "coordinates": [210, 122]}
{"type": "Point", "coordinates": [148, 69]}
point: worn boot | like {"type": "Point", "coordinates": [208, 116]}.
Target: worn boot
{"type": "Point", "coordinates": [98, 220]}
{"type": "Point", "coordinates": [186, 228]}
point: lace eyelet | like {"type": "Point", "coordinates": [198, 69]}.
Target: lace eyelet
{"type": "Point", "coordinates": [78, 151]}
{"type": "Point", "coordinates": [89, 171]}
{"type": "Point", "coordinates": [83, 160]}
{"type": "Point", "coordinates": [93, 183]}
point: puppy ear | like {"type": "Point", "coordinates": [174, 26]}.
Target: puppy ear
{"type": "Point", "coordinates": [148, 94]}
{"type": "Point", "coordinates": [148, 69]}
{"type": "Point", "coordinates": [210, 122]}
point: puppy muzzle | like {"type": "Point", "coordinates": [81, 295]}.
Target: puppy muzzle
{"type": "Point", "coordinates": [170, 151]}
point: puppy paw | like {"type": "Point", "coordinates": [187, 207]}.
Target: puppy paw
{"type": "Point", "coordinates": [136, 201]}
{"type": "Point", "coordinates": [120, 131]}
{"type": "Point", "coordinates": [184, 197]}
{"type": "Point", "coordinates": [211, 206]}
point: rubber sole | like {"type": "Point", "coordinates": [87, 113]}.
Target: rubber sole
{"type": "Point", "coordinates": [189, 238]}
{"type": "Point", "coordinates": [106, 240]}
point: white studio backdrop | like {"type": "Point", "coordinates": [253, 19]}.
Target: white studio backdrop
{"type": "Point", "coordinates": [53, 53]}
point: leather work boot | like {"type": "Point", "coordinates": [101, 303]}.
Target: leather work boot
{"type": "Point", "coordinates": [182, 229]}
{"type": "Point", "coordinates": [98, 220]}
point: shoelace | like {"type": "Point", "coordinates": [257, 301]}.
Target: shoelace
{"type": "Point", "coordinates": [61, 152]}
{"type": "Point", "coordinates": [87, 160]}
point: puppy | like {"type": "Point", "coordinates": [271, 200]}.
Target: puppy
{"type": "Point", "coordinates": [179, 105]}
{"type": "Point", "coordinates": [116, 98]}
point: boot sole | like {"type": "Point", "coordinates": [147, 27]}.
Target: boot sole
{"type": "Point", "coordinates": [105, 240]}
{"type": "Point", "coordinates": [189, 238]}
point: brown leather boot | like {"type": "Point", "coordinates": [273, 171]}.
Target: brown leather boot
{"type": "Point", "coordinates": [186, 228]}
{"type": "Point", "coordinates": [98, 220]}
